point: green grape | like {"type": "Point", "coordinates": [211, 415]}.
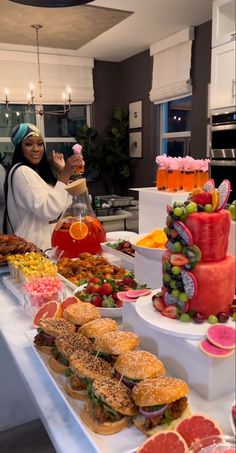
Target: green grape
{"type": "Point", "coordinates": [212, 319]}
{"type": "Point", "coordinates": [175, 293]}
{"type": "Point", "coordinates": [176, 270]}
{"type": "Point", "coordinates": [178, 212]}
{"type": "Point", "coordinates": [191, 207]}
{"type": "Point", "coordinates": [185, 317]}
{"type": "Point", "coordinates": [183, 297]}
{"type": "Point", "coordinates": [177, 247]}
{"type": "Point", "coordinates": [166, 278]}
{"type": "Point", "coordinates": [208, 208]}
{"type": "Point", "coordinates": [173, 284]}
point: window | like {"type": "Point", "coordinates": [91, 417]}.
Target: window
{"type": "Point", "coordinates": [175, 127]}
{"type": "Point", "coordinates": [59, 131]}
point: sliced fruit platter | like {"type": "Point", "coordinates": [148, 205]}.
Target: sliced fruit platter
{"type": "Point", "coordinates": [110, 294]}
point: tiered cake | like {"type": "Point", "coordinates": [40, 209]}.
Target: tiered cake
{"type": "Point", "coordinates": [198, 275]}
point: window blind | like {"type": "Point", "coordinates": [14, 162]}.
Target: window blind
{"type": "Point", "coordinates": [171, 67]}
{"type": "Point", "coordinates": [58, 71]}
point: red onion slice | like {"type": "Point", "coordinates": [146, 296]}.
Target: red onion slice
{"type": "Point", "coordinates": [154, 413]}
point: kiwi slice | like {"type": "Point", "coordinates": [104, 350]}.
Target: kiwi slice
{"type": "Point", "coordinates": [193, 253]}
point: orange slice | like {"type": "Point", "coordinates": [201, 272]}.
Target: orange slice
{"type": "Point", "coordinates": [215, 199]}
{"type": "Point", "coordinates": [78, 230]}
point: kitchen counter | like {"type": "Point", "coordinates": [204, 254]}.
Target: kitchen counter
{"type": "Point", "coordinates": [39, 396]}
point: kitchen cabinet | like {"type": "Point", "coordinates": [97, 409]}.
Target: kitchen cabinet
{"type": "Point", "coordinates": [223, 22]}
{"type": "Point", "coordinates": [223, 82]}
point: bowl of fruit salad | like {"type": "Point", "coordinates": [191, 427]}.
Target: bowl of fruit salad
{"type": "Point", "coordinates": [151, 245]}
{"type": "Point", "coordinates": [104, 294]}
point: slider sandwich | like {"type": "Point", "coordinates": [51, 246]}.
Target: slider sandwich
{"type": "Point", "coordinates": [110, 406]}
{"type": "Point", "coordinates": [111, 344]}
{"type": "Point", "coordinates": [48, 330]}
{"type": "Point", "coordinates": [65, 345]}
{"type": "Point", "coordinates": [80, 313]}
{"type": "Point", "coordinates": [98, 327]}
{"type": "Point", "coordinates": [85, 367]}
{"type": "Point", "coordinates": [162, 404]}
{"type": "Point", "coordinates": [135, 366]}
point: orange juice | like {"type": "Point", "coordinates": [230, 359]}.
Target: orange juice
{"type": "Point", "coordinates": [203, 177]}
{"type": "Point", "coordinates": [173, 180]}
{"type": "Point", "coordinates": [188, 183]}
{"type": "Point", "coordinates": [181, 179]}
{"type": "Point", "coordinates": [161, 179]}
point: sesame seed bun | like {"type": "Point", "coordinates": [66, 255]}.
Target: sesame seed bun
{"type": "Point", "coordinates": [86, 365]}
{"type": "Point", "coordinates": [139, 365]}
{"type": "Point", "coordinates": [45, 349]}
{"type": "Point", "coordinates": [98, 327]}
{"type": "Point", "coordinates": [103, 428]}
{"type": "Point", "coordinates": [57, 366]}
{"type": "Point", "coordinates": [68, 343]}
{"type": "Point", "coordinates": [55, 327]}
{"type": "Point", "coordinates": [81, 312]}
{"type": "Point", "coordinates": [116, 342]}
{"type": "Point", "coordinates": [80, 394]}
{"type": "Point", "coordinates": [116, 395]}
{"type": "Point", "coordinates": [162, 390]}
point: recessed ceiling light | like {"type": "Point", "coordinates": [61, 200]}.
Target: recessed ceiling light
{"type": "Point", "coordinates": [51, 3]}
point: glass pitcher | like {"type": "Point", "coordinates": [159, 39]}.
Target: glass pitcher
{"type": "Point", "coordinates": [78, 230]}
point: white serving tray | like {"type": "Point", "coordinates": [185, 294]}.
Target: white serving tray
{"type": "Point", "coordinates": [126, 441]}
{"type": "Point", "coordinates": [126, 260]}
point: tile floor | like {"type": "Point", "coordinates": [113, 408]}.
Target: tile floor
{"type": "Point", "coordinates": [28, 438]}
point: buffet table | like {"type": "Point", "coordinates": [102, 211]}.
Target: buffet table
{"type": "Point", "coordinates": [28, 392]}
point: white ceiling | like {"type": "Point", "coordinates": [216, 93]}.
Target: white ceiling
{"type": "Point", "coordinates": [98, 33]}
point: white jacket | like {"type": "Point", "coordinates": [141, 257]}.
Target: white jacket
{"type": "Point", "coordinates": [32, 204]}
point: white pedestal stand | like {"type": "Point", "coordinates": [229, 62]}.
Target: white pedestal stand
{"type": "Point", "coordinates": [152, 207]}
{"type": "Point", "coordinates": [209, 377]}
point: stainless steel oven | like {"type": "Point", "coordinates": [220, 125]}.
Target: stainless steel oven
{"type": "Point", "coordinates": [223, 150]}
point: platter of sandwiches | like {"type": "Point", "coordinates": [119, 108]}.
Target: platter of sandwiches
{"type": "Point", "coordinates": [117, 393]}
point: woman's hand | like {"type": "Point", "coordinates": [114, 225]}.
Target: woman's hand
{"type": "Point", "coordinates": [72, 163]}
{"type": "Point", "coordinates": [58, 162]}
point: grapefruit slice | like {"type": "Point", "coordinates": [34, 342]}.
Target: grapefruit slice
{"type": "Point", "coordinates": [122, 296]}
{"type": "Point", "coordinates": [164, 442]}
{"type": "Point", "coordinates": [222, 336]}
{"type": "Point", "coordinates": [214, 351]}
{"type": "Point", "coordinates": [78, 230]}
{"type": "Point", "coordinates": [197, 427]}
{"type": "Point", "coordinates": [135, 293]}
{"type": "Point", "coordinates": [68, 301]}
{"type": "Point", "coordinates": [51, 309]}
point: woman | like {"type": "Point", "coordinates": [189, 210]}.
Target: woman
{"type": "Point", "coordinates": [34, 197]}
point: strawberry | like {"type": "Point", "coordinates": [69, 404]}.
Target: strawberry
{"type": "Point", "coordinates": [96, 300]}
{"type": "Point", "coordinates": [119, 303]}
{"type": "Point", "coordinates": [114, 295]}
{"type": "Point", "coordinates": [95, 280]}
{"type": "Point", "coordinates": [106, 289]}
{"type": "Point", "coordinates": [171, 311]}
{"type": "Point", "coordinates": [202, 198]}
{"type": "Point", "coordinates": [158, 304]}
{"type": "Point", "coordinates": [129, 281]}
{"type": "Point", "coordinates": [108, 302]}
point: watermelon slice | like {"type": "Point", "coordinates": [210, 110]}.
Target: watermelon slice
{"type": "Point", "coordinates": [214, 351]}
{"type": "Point", "coordinates": [222, 336]}
{"type": "Point", "coordinates": [210, 233]}
{"type": "Point", "coordinates": [190, 284]}
{"type": "Point", "coordinates": [209, 185]}
{"type": "Point", "coordinates": [216, 285]}
{"type": "Point", "coordinates": [135, 293]}
{"type": "Point", "coordinates": [223, 192]}
{"type": "Point", "coordinates": [183, 232]}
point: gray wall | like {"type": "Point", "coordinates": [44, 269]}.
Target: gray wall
{"type": "Point", "coordinates": [118, 84]}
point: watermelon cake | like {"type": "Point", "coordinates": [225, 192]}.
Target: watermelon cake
{"type": "Point", "coordinates": [198, 275]}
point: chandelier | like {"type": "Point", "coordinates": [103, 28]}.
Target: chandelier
{"type": "Point", "coordinates": [37, 107]}
{"type": "Point", "coordinates": [52, 3]}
